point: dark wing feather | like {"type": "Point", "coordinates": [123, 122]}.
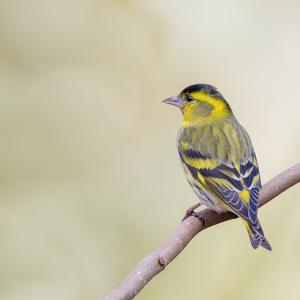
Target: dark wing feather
{"type": "Point", "coordinates": [226, 181]}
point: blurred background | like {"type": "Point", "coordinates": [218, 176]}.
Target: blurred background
{"type": "Point", "coordinates": [90, 180]}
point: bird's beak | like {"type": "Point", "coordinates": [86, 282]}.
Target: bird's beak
{"type": "Point", "coordinates": [175, 100]}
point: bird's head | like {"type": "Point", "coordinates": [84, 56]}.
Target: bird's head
{"type": "Point", "coordinates": [200, 102]}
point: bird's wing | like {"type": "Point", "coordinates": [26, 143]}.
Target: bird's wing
{"type": "Point", "coordinates": [235, 185]}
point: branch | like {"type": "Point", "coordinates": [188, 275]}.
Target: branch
{"type": "Point", "coordinates": [158, 259]}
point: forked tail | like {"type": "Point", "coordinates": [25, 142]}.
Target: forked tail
{"type": "Point", "coordinates": [256, 235]}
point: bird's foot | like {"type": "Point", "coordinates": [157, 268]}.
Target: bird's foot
{"type": "Point", "coordinates": [199, 215]}
{"type": "Point", "coordinates": [190, 211]}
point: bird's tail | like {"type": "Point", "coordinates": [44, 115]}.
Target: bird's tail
{"type": "Point", "coordinates": [256, 235]}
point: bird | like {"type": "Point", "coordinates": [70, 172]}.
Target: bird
{"type": "Point", "coordinates": [218, 158]}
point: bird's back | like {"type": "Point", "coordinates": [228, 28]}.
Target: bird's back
{"type": "Point", "coordinates": [223, 140]}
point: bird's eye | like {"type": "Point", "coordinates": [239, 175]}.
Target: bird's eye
{"type": "Point", "coordinates": [189, 98]}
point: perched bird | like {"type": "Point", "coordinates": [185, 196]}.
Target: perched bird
{"type": "Point", "coordinates": [218, 157]}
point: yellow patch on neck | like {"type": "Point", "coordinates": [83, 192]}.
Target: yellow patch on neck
{"type": "Point", "coordinates": [190, 116]}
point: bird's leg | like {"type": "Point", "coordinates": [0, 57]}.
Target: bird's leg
{"type": "Point", "coordinates": [190, 211]}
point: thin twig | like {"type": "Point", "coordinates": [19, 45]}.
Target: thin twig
{"type": "Point", "coordinates": [158, 259]}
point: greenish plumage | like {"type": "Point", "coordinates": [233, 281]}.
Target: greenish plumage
{"type": "Point", "coordinates": [218, 157]}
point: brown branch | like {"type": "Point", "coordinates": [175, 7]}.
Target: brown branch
{"type": "Point", "coordinates": [158, 259]}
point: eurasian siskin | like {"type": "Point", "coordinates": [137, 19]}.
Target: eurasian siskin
{"type": "Point", "coordinates": [218, 157]}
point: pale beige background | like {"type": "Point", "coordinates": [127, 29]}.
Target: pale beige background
{"type": "Point", "coordinates": [90, 181]}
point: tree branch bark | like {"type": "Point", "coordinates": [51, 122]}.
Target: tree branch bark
{"type": "Point", "coordinates": [158, 259]}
